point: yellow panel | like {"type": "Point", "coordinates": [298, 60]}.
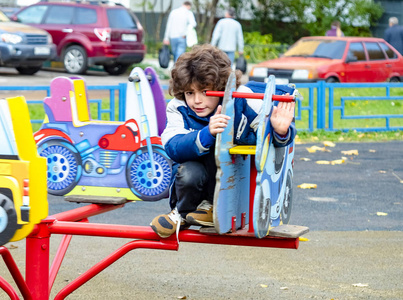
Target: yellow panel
{"type": "Point", "coordinates": [37, 165]}
{"type": "Point", "coordinates": [81, 100]}
{"type": "Point", "coordinates": [103, 191]}
{"type": "Point", "coordinates": [244, 149]}
{"type": "Point", "coordinates": [5, 169]}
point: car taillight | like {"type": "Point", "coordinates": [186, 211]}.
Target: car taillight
{"type": "Point", "coordinates": [104, 34]}
{"type": "Point", "coordinates": [25, 196]}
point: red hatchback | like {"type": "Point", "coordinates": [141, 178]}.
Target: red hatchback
{"type": "Point", "coordinates": [334, 59]}
{"type": "Point", "coordinates": [89, 34]}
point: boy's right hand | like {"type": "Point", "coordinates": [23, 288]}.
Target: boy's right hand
{"type": "Point", "coordinates": [218, 122]}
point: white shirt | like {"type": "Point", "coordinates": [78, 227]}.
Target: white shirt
{"type": "Point", "coordinates": [178, 21]}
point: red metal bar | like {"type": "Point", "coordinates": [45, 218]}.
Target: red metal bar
{"type": "Point", "coordinates": [146, 233]}
{"type": "Point", "coordinates": [85, 212]}
{"type": "Point", "coordinates": [280, 98]}
{"type": "Point", "coordinates": [8, 288]}
{"type": "Point", "coordinates": [15, 273]}
{"type": "Point", "coordinates": [57, 261]}
{"type": "Point", "coordinates": [99, 267]}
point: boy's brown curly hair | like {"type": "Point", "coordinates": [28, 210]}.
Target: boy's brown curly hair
{"type": "Point", "coordinates": [205, 66]}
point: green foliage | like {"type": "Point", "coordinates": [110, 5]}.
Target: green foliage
{"type": "Point", "coordinates": [260, 47]}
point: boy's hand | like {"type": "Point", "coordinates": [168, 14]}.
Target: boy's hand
{"type": "Point", "coordinates": [282, 116]}
{"type": "Point", "coordinates": [218, 122]}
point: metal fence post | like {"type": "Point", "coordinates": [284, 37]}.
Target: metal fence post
{"type": "Point", "coordinates": [122, 101]}
{"type": "Point", "coordinates": [321, 105]}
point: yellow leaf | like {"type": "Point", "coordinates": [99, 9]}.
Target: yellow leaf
{"type": "Point", "coordinates": [284, 288]}
{"type": "Point", "coordinates": [323, 162]}
{"type": "Point", "coordinates": [307, 186]}
{"type": "Point", "coordinates": [303, 239]}
{"type": "Point", "coordinates": [381, 213]}
{"type": "Point", "coordinates": [360, 284]}
{"type": "Point", "coordinates": [305, 159]}
{"type": "Point", "coordinates": [341, 138]}
{"type": "Point", "coordinates": [263, 285]}
{"type": "Point", "coordinates": [329, 144]}
{"type": "Point", "coordinates": [350, 152]}
{"type": "Point", "coordinates": [382, 171]}
{"type": "Point", "coordinates": [313, 149]}
{"type": "Point", "coordinates": [372, 150]}
{"type": "Point", "coordinates": [337, 162]}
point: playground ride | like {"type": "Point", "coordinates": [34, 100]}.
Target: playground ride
{"type": "Point", "coordinates": [22, 173]}
{"type": "Point", "coordinates": [66, 143]}
{"type": "Point", "coordinates": [84, 154]}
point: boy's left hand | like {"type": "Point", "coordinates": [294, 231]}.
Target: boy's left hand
{"type": "Point", "coordinates": [282, 116]}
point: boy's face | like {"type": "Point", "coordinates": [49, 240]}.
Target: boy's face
{"type": "Point", "coordinates": [200, 103]}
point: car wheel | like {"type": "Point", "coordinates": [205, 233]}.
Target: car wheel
{"type": "Point", "coordinates": [28, 70]}
{"type": "Point", "coordinates": [63, 163]}
{"type": "Point", "coordinates": [332, 80]}
{"type": "Point", "coordinates": [142, 182]}
{"type": "Point", "coordinates": [394, 79]}
{"type": "Point", "coordinates": [116, 69]}
{"type": "Point", "coordinates": [75, 60]}
{"type": "Point", "coordinates": [8, 219]}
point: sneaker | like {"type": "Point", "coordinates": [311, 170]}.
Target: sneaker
{"type": "Point", "coordinates": [166, 225]}
{"type": "Point", "coordinates": [203, 216]}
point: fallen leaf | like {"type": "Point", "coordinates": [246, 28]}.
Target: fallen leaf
{"type": "Point", "coordinates": [360, 284]}
{"type": "Point", "coordinates": [313, 149]}
{"type": "Point", "coordinates": [305, 159]}
{"type": "Point", "coordinates": [337, 162]}
{"type": "Point", "coordinates": [341, 138]}
{"type": "Point", "coordinates": [284, 288]}
{"type": "Point", "coordinates": [329, 144]}
{"type": "Point", "coordinates": [382, 171]}
{"type": "Point", "coordinates": [308, 186]}
{"type": "Point", "coordinates": [350, 152]}
{"type": "Point", "coordinates": [263, 285]}
{"type": "Point", "coordinates": [314, 138]}
{"type": "Point", "coordinates": [303, 239]}
{"type": "Point", "coordinates": [372, 151]}
{"type": "Point", "coordinates": [381, 213]}
{"type": "Point", "coordinates": [11, 246]}
{"type": "Point", "coordinates": [181, 297]}
{"type": "Point", "coordinates": [323, 162]}
{"type": "Point", "coordinates": [361, 135]}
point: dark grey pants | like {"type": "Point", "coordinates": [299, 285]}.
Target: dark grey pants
{"type": "Point", "coordinates": [194, 182]}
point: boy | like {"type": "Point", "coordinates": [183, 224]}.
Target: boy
{"type": "Point", "coordinates": [193, 121]}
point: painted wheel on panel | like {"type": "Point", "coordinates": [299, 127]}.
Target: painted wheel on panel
{"type": "Point", "coordinates": [8, 219]}
{"type": "Point", "coordinates": [64, 165]}
{"type": "Point", "coordinates": [262, 219]}
{"type": "Point", "coordinates": [140, 177]}
{"type": "Point", "coordinates": [287, 204]}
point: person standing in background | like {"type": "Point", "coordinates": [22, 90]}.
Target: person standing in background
{"type": "Point", "coordinates": [228, 35]}
{"type": "Point", "coordinates": [175, 33]}
{"type": "Point", "coordinates": [335, 30]}
{"type": "Point", "coordinates": [394, 34]}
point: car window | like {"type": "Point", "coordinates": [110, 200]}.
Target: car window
{"type": "Point", "coordinates": [356, 51]}
{"type": "Point", "coordinates": [389, 52]}
{"type": "Point", "coordinates": [33, 14]}
{"type": "Point", "coordinates": [374, 51]}
{"type": "Point", "coordinates": [318, 48]}
{"type": "Point", "coordinates": [8, 145]}
{"type": "Point", "coordinates": [120, 18]}
{"type": "Point", "coordinates": [85, 15]}
{"type": "Point", "coordinates": [58, 15]}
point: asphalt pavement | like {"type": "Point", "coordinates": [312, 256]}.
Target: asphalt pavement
{"type": "Point", "coordinates": [353, 249]}
{"type": "Point", "coordinates": [355, 215]}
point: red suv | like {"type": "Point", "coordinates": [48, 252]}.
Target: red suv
{"type": "Point", "coordinates": [89, 34]}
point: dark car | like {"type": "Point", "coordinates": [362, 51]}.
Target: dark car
{"type": "Point", "coordinates": [334, 59]}
{"type": "Point", "coordinates": [89, 34]}
{"type": "Point", "coordinates": [24, 47]}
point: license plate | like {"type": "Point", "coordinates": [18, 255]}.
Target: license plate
{"type": "Point", "coordinates": [41, 51]}
{"type": "Point", "coordinates": [129, 37]}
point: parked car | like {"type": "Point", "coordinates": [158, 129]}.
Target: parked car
{"type": "Point", "coordinates": [89, 34]}
{"type": "Point", "coordinates": [334, 59]}
{"type": "Point", "coordinates": [24, 47]}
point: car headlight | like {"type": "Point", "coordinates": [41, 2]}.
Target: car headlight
{"type": "Point", "coordinates": [259, 72]}
{"type": "Point", "coordinates": [50, 40]}
{"type": "Point", "coordinates": [300, 74]}
{"type": "Point", "coordinates": [11, 38]}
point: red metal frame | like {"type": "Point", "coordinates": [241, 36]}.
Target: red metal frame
{"type": "Point", "coordinates": [38, 285]}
